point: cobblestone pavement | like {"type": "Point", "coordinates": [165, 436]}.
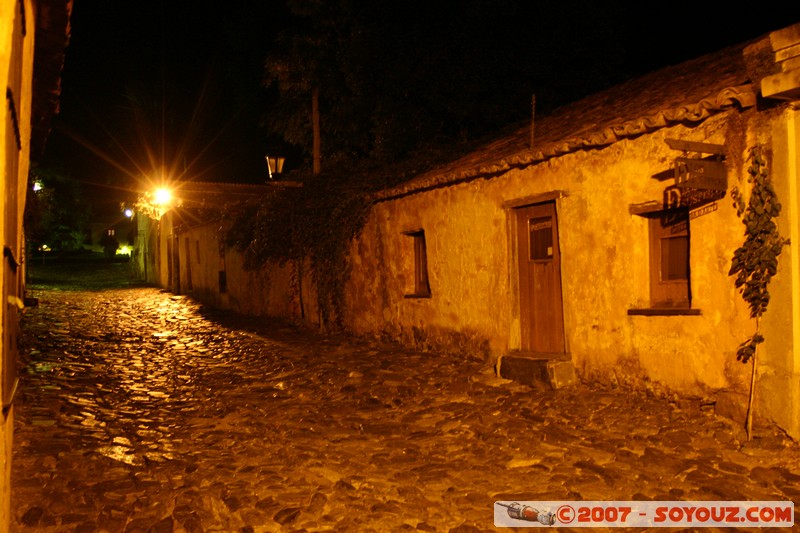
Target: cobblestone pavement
{"type": "Point", "coordinates": [140, 411]}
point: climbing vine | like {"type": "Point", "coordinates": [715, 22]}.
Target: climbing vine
{"type": "Point", "coordinates": [756, 261]}
{"type": "Point", "coordinates": [316, 223]}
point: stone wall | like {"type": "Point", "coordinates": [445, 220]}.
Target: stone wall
{"type": "Point", "coordinates": [778, 392]}
{"type": "Point", "coordinates": [218, 275]}
{"type": "Point", "coordinates": [16, 75]}
{"type": "Point", "coordinates": [474, 306]}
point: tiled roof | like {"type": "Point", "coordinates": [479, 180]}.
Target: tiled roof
{"type": "Point", "coordinates": [685, 93]}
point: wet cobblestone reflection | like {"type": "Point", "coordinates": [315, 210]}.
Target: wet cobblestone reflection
{"type": "Point", "coordinates": [140, 412]}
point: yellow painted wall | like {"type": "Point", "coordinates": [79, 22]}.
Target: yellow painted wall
{"type": "Point", "coordinates": [778, 393]}
{"type": "Point", "coordinates": [273, 291]}
{"type": "Point", "coordinates": [16, 73]}
{"type": "Point", "coordinates": [467, 266]}
{"type": "Point", "coordinates": [163, 248]}
{"type": "Point", "coordinates": [6, 424]}
{"type": "Point", "coordinates": [204, 266]}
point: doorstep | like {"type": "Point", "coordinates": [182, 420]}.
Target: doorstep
{"type": "Point", "coordinates": [538, 370]}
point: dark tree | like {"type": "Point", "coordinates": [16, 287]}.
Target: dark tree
{"type": "Point", "coordinates": [394, 77]}
{"type": "Point", "coordinates": [56, 215]}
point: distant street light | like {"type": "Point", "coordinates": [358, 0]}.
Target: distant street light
{"type": "Point", "coordinates": [128, 212]}
{"type": "Point", "coordinates": [274, 164]}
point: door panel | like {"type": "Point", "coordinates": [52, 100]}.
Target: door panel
{"type": "Point", "coordinates": [541, 310]}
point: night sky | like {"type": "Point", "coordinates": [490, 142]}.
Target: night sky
{"type": "Point", "coordinates": [179, 82]}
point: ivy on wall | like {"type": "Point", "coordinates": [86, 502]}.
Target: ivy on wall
{"type": "Point", "coordinates": [756, 260]}
{"type": "Point", "coordinates": [317, 223]}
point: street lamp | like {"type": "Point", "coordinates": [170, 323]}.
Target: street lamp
{"type": "Point", "coordinates": [162, 196]}
{"type": "Point", "coordinates": [155, 203]}
{"type": "Point", "coordinates": [274, 164]}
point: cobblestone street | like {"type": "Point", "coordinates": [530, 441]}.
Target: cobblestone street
{"type": "Point", "coordinates": [143, 411]}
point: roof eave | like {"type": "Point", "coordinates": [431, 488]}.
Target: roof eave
{"type": "Point", "coordinates": [740, 97]}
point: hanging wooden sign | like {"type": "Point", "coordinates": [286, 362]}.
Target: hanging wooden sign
{"type": "Point", "coordinates": [700, 174]}
{"type": "Point", "coordinates": [708, 173]}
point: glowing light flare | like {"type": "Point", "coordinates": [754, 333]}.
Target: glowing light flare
{"type": "Point", "coordinates": [124, 250]}
{"type": "Point", "coordinates": [155, 202]}
{"type": "Point", "coordinates": [162, 196]}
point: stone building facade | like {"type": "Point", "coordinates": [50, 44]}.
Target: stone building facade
{"type": "Point", "coordinates": [561, 250]}
{"type": "Point", "coordinates": [33, 37]}
{"type": "Point", "coordinates": [593, 243]}
{"type": "Point", "coordinates": [182, 249]}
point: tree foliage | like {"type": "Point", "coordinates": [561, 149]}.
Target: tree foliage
{"type": "Point", "coordinates": [394, 76]}
{"type": "Point", "coordinates": [399, 84]}
{"type": "Point", "coordinates": [316, 222]}
{"type": "Point", "coordinates": [56, 214]}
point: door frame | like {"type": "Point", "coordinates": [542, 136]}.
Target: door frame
{"type": "Point", "coordinates": [512, 208]}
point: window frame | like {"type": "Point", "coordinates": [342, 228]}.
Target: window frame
{"type": "Point", "coordinates": [422, 287]}
{"type": "Point", "coordinates": [669, 293]}
{"type": "Point", "coordinates": [657, 209]}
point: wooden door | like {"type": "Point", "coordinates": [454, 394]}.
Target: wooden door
{"type": "Point", "coordinates": [541, 311]}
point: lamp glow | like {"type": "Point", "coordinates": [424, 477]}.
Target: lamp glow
{"type": "Point", "coordinates": [162, 196]}
{"type": "Point", "coordinates": [274, 165]}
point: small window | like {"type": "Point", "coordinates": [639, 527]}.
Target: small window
{"type": "Point", "coordinates": [112, 232]}
{"type": "Point", "coordinates": [669, 260]}
{"type": "Point", "coordinates": [422, 288]}
{"type": "Point", "coordinates": [541, 237]}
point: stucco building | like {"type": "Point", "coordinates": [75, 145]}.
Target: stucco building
{"type": "Point", "coordinates": [33, 37]}
{"type": "Point", "coordinates": [180, 246]}
{"type": "Point", "coordinates": [594, 242]}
